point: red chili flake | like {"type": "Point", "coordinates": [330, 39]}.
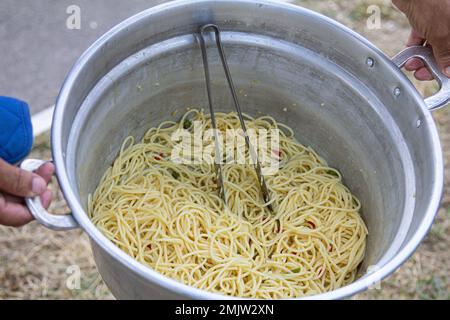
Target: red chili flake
{"type": "Point", "coordinates": [160, 156]}
{"type": "Point", "coordinates": [313, 226]}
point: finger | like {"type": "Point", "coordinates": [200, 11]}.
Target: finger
{"type": "Point", "coordinates": [423, 74]}
{"type": "Point", "coordinates": [415, 39]}
{"type": "Point", "coordinates": [46, 171]}
{"type": "Point", "coordinates": [18, 182]}
{"type": "Point", "coordinates": [442, 53]}
{"type": "Point", "coordinates": [414, 64]}
{"type": "Point", "coordinates": [13, 214]}
{"type": "Point", "coordinates": [46, 199]}
{"type": "Point", "coordinates": [13, 199]}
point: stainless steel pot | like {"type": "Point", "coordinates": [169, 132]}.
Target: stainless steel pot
{"type": "Point", "coordinates": [341, 95]}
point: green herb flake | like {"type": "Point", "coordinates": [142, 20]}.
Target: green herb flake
{"type": "Point", "coordinates": [333, 173]}
{"type": "Point", "coordinates": [187, 124]}
{"type": "Point", "coordinates": [174, 174]}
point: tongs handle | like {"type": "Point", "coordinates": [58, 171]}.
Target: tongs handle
{"type": "Point", "coordinates": [218, 160]}
{"type": "Point", "coordinates": [253, 154]}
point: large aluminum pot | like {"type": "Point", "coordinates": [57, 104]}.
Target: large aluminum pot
{"type": "Point", "coordinates": [341, 95]}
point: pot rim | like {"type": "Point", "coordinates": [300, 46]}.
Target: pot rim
{"type": "Point", "coordinates": [173, 285]}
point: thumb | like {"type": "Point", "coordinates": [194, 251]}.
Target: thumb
{"type": "Point", "coordinates": [442, 55]}
{"type": "Point", "coordinates": [18, 182]}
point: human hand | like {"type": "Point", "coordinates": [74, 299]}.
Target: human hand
{"type": "Point", "coordinates": [430, 21]}
{"type": "Point", "coordinates": [15, 185]}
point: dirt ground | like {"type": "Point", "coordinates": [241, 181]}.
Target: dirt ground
{"type": "Point", "coordinates": [36, 263]}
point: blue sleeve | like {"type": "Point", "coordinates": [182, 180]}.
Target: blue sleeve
{"type": "Point", "coordinates": [16, 132]}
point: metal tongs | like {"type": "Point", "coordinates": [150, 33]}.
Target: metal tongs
{"type": "Point", "coordinates": [218, 160]}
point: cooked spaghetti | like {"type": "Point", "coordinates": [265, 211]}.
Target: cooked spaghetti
{"type": "Point", "coordinates": [170, 217]}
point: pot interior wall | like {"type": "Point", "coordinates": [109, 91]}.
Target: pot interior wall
{"type": "Point", "coordinates": [327, 108]}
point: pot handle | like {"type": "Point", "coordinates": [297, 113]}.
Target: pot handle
{"type": "Point", "coordinates": [442, 97]}
{"type": "Point", "coordinates": [51, 221]}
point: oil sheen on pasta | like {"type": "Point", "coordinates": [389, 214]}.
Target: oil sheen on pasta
{"type": "Point", "coordinates": [169, 217]}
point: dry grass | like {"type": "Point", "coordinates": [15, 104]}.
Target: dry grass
{"type": "Point", "coordinates": [34, 261]}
